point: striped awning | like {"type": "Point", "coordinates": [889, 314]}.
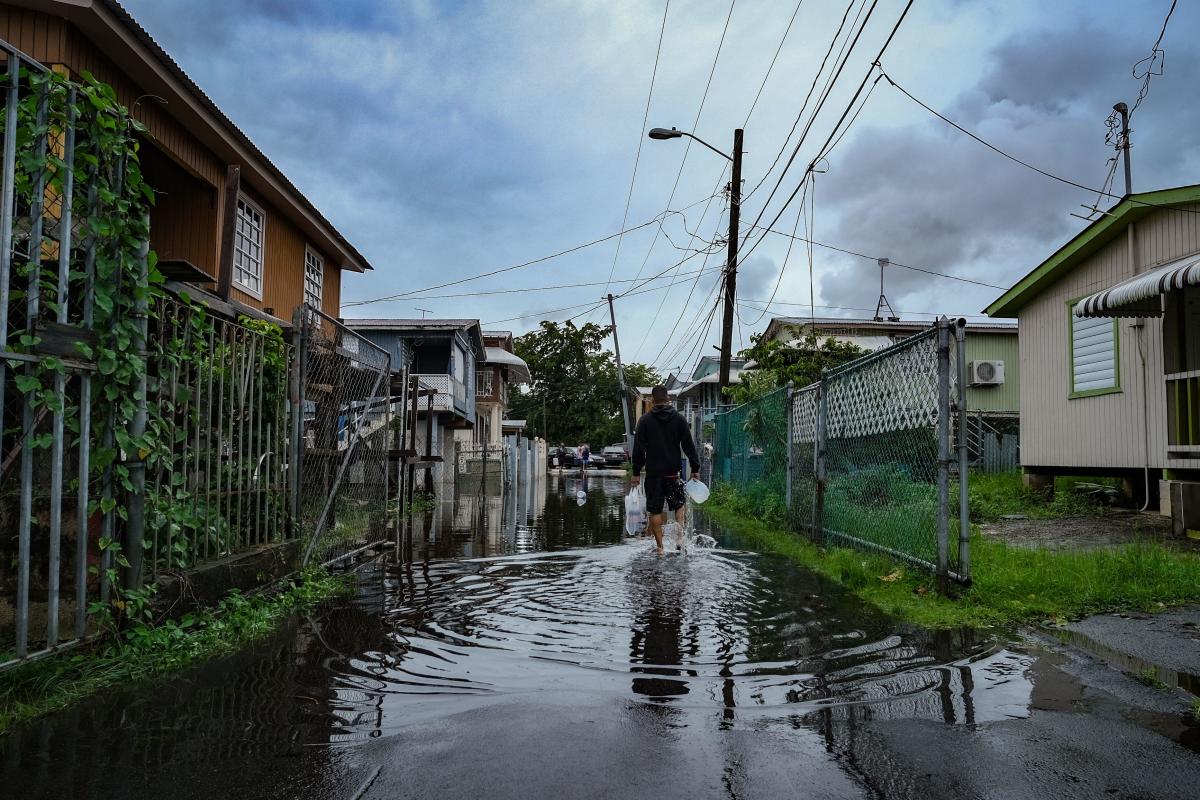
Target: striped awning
{"type": "Point", "coordinates": [1139, 295]}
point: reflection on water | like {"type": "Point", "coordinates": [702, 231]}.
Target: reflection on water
{"type": "Point", "coordinates": [493, 598]}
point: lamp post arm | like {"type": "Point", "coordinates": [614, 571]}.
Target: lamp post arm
{"type": "Point", "coordinates": [709, 146]}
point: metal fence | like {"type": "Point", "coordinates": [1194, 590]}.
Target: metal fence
{"type": "Point", "coordinates": [342, 437]}
{"type": "Point", "coordinates": [48, 403]}
{"type": "Point", "coordinates": [218, 486]}
{"type": "Point", "coordinates": [869, 456]}
{"type": "Point", "coordinates": [219, 438]}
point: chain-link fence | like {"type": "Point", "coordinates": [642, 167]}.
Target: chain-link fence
{"type": "Point", "coordinates": [341, 436]}
{"type": "Point", "coordinates": [867, 456]}
{"type": "Point", "coordinates": [750, 447]}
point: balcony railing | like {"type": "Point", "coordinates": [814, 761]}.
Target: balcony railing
{"type": "Point", "coordinates": [484, 381]}
{"type": "Point", "coordinates": [451, 395]}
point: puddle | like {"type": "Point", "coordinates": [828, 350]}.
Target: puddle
{"type": "Point", "coordinates": [494, 601]}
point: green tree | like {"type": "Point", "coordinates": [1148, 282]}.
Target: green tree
{"type": "Point", "coordinates": [801, 362]}
{"type": "Point", "coordinates": [575, 394]}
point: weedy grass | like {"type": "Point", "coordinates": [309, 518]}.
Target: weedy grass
{"type": "Point", "coordinates": [995, 495]}
{"type": "Point", "coordinates": [144, 651]}
{"type": "Point", "coordinates": [1011, 585]}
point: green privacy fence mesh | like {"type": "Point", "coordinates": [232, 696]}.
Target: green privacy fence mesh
{"type": "Point", "coordinates": [866, 457]}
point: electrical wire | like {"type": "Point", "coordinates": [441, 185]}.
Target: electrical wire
{"type": "Point", "coordinates": [1026, 164]}
{"type": "Point", "coordinates": [845, 112]}
{"type": "Point", "coordinates": [720, 179]}
{"type": "Point", "coordinates": [576, 248]}
{"type": "Point", "coordinates": [1156, 54]}
{"type": "Point", "coordinates": [641, 137]}
{"type": "Point", "coordinates": [890, 264]}
{"type": "Point", "coordinates": [843, 59]}
{"type": "Point", "coordinates": [695, 124]}
{"type": "Point", "coordinates": [811, 89]}
{"type": "Point", "coordinates": [755, 304]}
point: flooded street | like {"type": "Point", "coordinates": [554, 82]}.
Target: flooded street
{"type": "Point", "coordinates": [523, 647]}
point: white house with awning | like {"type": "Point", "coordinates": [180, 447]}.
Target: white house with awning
{"type": "Point", "coordinates": [499, 372]}
{"type": "Point", "coordinates": [1110, 352]}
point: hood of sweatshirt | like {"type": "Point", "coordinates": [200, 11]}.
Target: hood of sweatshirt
{"type": "Point", "coordinates": [664, 413]}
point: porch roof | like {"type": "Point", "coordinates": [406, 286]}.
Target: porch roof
{"type": "Point", "coordinates": [518, 370]}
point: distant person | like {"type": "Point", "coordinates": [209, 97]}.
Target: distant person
{"type": "Point", "coordinates": [585, 455]}
{"type": "Point", "coordinates": [661, 439]}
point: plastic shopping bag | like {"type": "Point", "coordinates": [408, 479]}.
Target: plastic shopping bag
{"type": "Point", "coordinates": [635, 511]}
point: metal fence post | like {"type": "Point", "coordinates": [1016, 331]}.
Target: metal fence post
{"type": "Point", "coordinates": [943, 440]}
{"type": "Point", "coordinates": [136, 503]}
{"type": "Point", "coordinates": [964, 505]}
{"type": "Point", "coordinates": [791, 397]}
{"type": "Point", "coordinates": [819, 444]}
{"type": "Point", "coordinates": [296, 396]}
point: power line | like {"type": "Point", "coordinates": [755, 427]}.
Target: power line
{"type": "Point", "coordinates": [1155, 54]}
{"type": "Point", "coordinates": [641, 137]}
{"type": "Point", "coordinates": [1026, 164]}
{"type": "Point", "coordinates": [876, 258]}
{"type": "Point", "coordinates": [807, 97]}
{"type": "Point", "coordinates": [657, 219]}
{"type": "Point", "coordinates": [845, 112]}
{"type": "Point", "coordinates": [774, 58]}
{"type": "Point", "coordinates": [750, 301]}
{"type": "Point", "coordinates": [590, 304]}
{"type": "Point", "coordinates": [825, 94]}
{"type": "Point", "coordinates": [720, 179]}
{"type": "Point", "coordinates": [695, 124]}
{"type": "Point", "coordinates": [525, 289]}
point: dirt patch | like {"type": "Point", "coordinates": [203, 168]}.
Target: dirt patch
{"type": "Point", "coordinates": [1112, 528]}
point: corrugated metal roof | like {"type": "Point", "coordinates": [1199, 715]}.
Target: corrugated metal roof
{"type": "Point", "coordinates": [406, 324]}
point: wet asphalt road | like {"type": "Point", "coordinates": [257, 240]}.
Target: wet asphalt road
{"type": "Point", "coordinates": [530, 651]}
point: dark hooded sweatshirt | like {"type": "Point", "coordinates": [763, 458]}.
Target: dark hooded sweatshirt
{"type": "Point", "coordinates": [661, 436]}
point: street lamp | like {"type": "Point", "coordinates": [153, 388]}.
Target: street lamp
{"type": "Point", "coordinates": [735, 207]}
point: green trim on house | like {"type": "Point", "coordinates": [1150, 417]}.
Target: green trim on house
{"type": "Point", "coordinates": [1086, 242]}
{"type": "Point", "coordinates": [1072, 394]}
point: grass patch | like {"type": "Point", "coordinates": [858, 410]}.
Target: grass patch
{"type": "Point", "coordinates": [1150, 677]}
{"type": "Point", "coordinates": [142, 652]}
{"type": "Point", "coordinates": [994, 495]}
{"type": "Point", "coordinates": [1012, 585]}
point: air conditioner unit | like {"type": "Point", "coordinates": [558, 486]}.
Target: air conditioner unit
{"type": "Point", "coordinates": [986, 373]}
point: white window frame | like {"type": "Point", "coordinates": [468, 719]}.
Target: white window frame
{"type": "Point", "coordinates": [313, 259]}
{"type": "Point", "coordinates": [238, 250]}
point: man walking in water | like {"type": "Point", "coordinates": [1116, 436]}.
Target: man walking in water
{"type": "Point", "coordinates": [660, 441]}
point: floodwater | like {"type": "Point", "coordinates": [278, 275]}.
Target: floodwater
{"type": "Point", "coordinates": [524, 647]}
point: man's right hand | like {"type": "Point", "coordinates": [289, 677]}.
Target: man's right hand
{"type": "Point", "coordinates": [635, 481]}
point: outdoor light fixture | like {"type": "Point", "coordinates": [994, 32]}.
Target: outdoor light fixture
{"type": "Point", "coordinates": [663, 133]}
{"type": "Point", "coordinates": [675, 133]}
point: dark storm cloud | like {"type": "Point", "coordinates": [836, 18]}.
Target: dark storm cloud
{"type": "Point", "coordinates": [926, 195]}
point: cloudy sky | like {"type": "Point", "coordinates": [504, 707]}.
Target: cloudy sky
{"type": "Point", "coordinates": [449, 139]}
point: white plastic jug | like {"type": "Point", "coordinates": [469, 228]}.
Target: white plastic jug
{"type": "Point", "coordinates": [635, 511]}
{"type": "Point", "coordinates": [697, 492]}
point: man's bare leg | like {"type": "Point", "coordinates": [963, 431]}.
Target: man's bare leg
{"type": "Point", "coordinates": [656, 530]}
{"type": "Point", "coordinates": [680, 519]}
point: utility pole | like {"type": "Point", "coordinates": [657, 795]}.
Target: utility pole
{"type": "Point", "coordinates": [1123, 110]}
{"type": "Point", "coordinates": [735, 208]}
{"type": "Point", "coordinates": [621, 377]}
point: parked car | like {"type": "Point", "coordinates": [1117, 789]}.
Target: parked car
{"type": "Point", "coordinates": [566, 456]}
{"type": "Point", "coordinates": [615, 455]}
